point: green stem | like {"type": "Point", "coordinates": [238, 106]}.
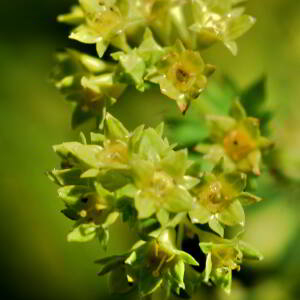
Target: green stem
{"type": "Point", "coordinates": [180, 235]}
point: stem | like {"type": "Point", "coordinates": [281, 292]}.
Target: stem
{"type": "Point", "coordinates": [180, 235]}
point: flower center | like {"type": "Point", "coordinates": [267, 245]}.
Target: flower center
{"type": "Point", "coordinates": [238, 144]}
{"type": "Point", "coordinates": [93, 208]}
{"type": "Point", "coordinates": [106, 21]}
{"type": "Point", "coordinates": [182, 75]}
{"type": "Point", "coordinates": [158, 259]}
{"type": "Point", "coordinates": [114, 152]}
{"type": "Point", "coordinates": [161, 183]}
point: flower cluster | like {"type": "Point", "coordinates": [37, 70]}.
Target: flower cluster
{"type": "Point", "coordinates": [86, 81]}
{"type": "Point", "coordinates": [158, 42]}
{"type": "Point", "coordinates": [138, 176]}
{"type": "Point", "coordinates": [139, 167]}
{"type": "Point", "coordinates": [197, 23]}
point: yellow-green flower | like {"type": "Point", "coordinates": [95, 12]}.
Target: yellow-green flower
{"type": "Point", "coordinates": [221, 20]}
{"type": "Point", "coordinates": [153, 264]}
{"type": "Point", "coordinates": [237, 138]}
{"type": "Point", "coordinates": [182, 75]}
{"type": "Point", "coordinates": [224, 256]}
{"type": "Point", "coordinates": [91, 206]}
{"type": "Point", "coordinates": [219, 197]}
{"type": "Point", "coordinates": [162, 186]}
{"type": "Point", "coordinates": [99, 22]}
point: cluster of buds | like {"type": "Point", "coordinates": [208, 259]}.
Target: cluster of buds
{"type": "Point", "coordinates": [138, 176]}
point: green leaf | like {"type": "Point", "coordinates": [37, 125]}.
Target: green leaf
{"type": "Point", "coordinates": [71, 213]}
{"type": "Point", "coordinates": [134, 139]}
{"type": "Point", "coordinates": [127, 210]}
{"type": "Point", "coordinates": [133, 66]}
{"type": "Point", "coordinates": [144, 205]}
{"type": "Point", "coordinates": [97, 138]}
{"type": "Point", "coordinates": [177, 273]}
{"type": "Point", "coordinates": [249, 252]}
{"type": "Point", "coordinates": [216, 226]}
{"type": "Point", "coordinates": [85, 34]}
{"type": "Point", "coordinates": [90, 173]}
{"type": "Point", "coordinates": [67, 177]}
{"type": "Point", "coordinates": [113, 180]}
{"type": "Point", "coordinates": [247, 199]}
{"type": "Point", "coordinates": [149, 284]}
{"type": "Point", "coordinates": [223, 278]}
{"type": "Point", "coordinates": [103, 237]}
{"type": "Point", "coordinates": [178, 200]}
{"type": "Point", "coordinates": [252, 127]}
{"type": "Point", "coordinates": [232, 47]}
{"type": "Point", "coordinates": [128, 190]}
{"type": "Point", "coordinates": [233, 215]}
{"type": "Point", "coordinates": [131, 258]}
{"type": "Point", "coordinates": [114, 129]}
{"type": "Point", "coordinates": [234, 183]}
{"type": "Point", "coordinates": [162, 216]}
{"type": "Point", "coordinates": [187, 258]}
{"type": "Point", "coordinates": [71, 194]}
{"type": "Point", "coordinates": [220, 125]}
{"type": "Point", "coordinates": [149, 50]}
{"type": "Point", "coordinates": [188, 182]}
{"type": "Point", "coordinates": [236, 27]}
{"type": "Point", "coordinates": [101, 47]}
{"type": "Point", "coordinates": [77, 153]}
{"type": "Point", "coordinates": [152, 146]}
{"type": "Point", "coordinates": [200, 214]}
{"type": "Point", "coordinates": [176, 163]}
{"type": "Point", "coordinates": [254, 159]}
{"type": "Point", "coordinates": [160, 129]}
{"type": "Point", "coordinates": [83, 233]}
{"type": "Point", "coordinates": [101, 191]}
{"type": "Point", "coordinates": [110, 219]}
{"type": "Point", "coordinates": [237, 111]}
{"type": "Point", "coordinates": [75, 17]}
{"type": "Point", "coordinates": [206, 247]}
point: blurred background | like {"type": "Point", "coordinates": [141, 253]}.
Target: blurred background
{"type": "Point", "coordinates": [36, 261]}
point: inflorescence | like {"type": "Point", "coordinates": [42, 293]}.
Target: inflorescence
{"type": "Point", "coordinates": [139, 176]}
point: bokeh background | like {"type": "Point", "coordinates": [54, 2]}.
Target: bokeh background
{"type": "Point", "coordinates": [36, 262]}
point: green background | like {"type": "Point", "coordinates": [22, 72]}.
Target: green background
{"type": "Point", "coordinates": [36, 262]}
